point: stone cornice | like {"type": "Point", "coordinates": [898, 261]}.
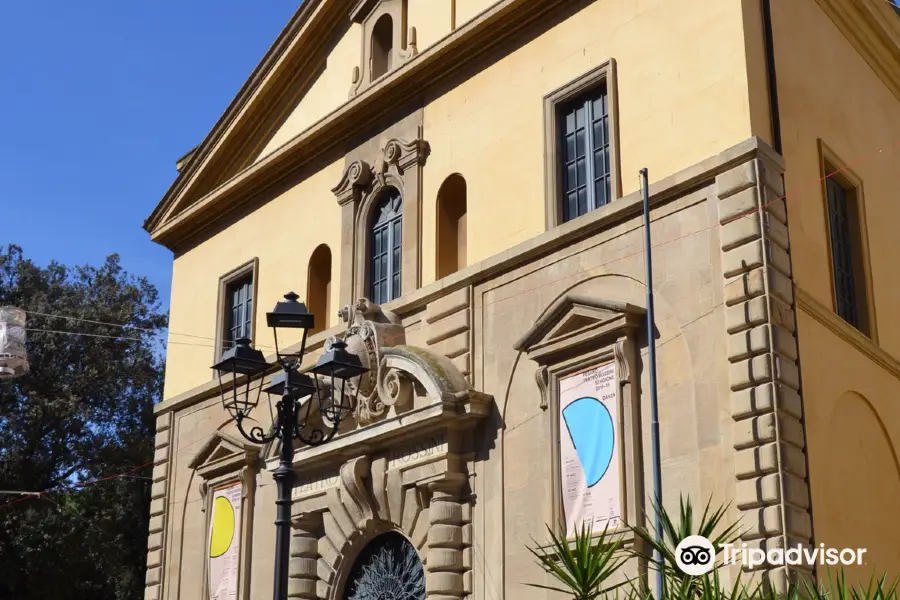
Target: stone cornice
{"type": "Point", "coordinates": [266, 83]}
{"type": "Point", "coordinates": [627, 207]}
{"type": "Point", "coordinates": [827, 317]}
{"type": "Point", "coordinates": [411, 82]}
{"type": "Point", "coordinates": [873, 29]}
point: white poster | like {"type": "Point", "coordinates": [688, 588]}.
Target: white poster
{"type": "Point", "coordinates": [224, 542]}
{"type": "Point", "coordinates": [589, 449]}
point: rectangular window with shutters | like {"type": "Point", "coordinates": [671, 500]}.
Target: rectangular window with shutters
{"type": "Point", "coordinates": [237, 295]}
{"type": "Point", "coordinates": [240, 309]}
{"type": "Point", "coordinates": [584, 141]}
{"type": "Point", "coordinates": [847, 246]}
{"type": "Point", "coordinates": [581, 138]}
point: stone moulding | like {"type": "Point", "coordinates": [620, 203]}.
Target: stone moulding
{"type": "Point", "coordinates": [399, 165]}
{"type": "Point", "coordinates": [399, 466]}
{"type": "Point", "coordinates": [575, 333]}
{"type": "Point", "coordinates": [224, 460]}
{"type": "Point", "coordinates": [661, 192]}
{"type": "Point", "coordinates": [407, 389]}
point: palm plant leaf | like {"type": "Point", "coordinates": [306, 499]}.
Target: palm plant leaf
{"type": "Point", "coordinates": [710, 525]}
{"type": "Point", "coordinates": [582, 567]}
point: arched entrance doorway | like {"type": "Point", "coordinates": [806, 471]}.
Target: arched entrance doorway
{"type": "Point", "coordinates": [388, 568]}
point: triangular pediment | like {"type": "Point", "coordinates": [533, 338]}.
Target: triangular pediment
{"type": "Point", "coordinates": [221, 452]}
{"type": "Point", "coordinates": [574, 320]}
{"type": "Point", "coordinates": [304, 75]}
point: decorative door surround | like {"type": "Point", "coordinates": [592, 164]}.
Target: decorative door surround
{"type": "Point", "coordinates": [401, 465]}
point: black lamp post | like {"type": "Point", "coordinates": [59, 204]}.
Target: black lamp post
{"type": "Point", "coordinates": [293, 417]}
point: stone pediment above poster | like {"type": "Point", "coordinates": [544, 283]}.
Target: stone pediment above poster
{"type": "Point", "coordinates": [409, 394]}
{"type": "Point", "coordinates": [574, 321]}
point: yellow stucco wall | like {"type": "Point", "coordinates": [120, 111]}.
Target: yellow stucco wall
{"type": "Point", "coordinates": [682, 89]}
{"type": "Point", "coordinates": [466, 10]}
{"type": "Point", "coordinates": [827, 91]}
{"type": "Point", "coordinates": [329, 91]}
{"type": "Point", "coordinates": [431, 18]}
{"type": "Point", "coordinates": [282, 236]}
{"type": "Point", "coordinates": [853, 430]}
{"type": "Point", "coordinates": [859, 119]}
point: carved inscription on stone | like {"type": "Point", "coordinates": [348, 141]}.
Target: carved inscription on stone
{"type": "Point", "coordinates": [315, 483]}
{"type": "Point", "coordinates": [419, 451]}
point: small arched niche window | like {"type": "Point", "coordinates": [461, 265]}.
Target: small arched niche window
{"type": "Point", "coordinates": [382, 46]}
{"type": "Point", "coordinates": [386, 246]}
{"type": "Point", "coordinates": [451, 225]}
{"type": "Point", "coordinates": [318, 287]}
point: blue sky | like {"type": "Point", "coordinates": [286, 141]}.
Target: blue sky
{"type": "Point", "coordinates": [97, 101]}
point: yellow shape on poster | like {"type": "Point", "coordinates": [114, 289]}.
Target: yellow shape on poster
{"type": "Point", "coordinates": [222, 527]}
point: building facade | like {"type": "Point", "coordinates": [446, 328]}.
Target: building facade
{"type": "Point", "coordinates": [452, 186]}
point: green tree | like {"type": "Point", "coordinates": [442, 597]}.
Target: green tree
{"type": "Point", "coordinates": [84, 411]}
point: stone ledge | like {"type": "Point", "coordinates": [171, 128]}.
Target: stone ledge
{"type": "Point", "coordinates": [448, 326]}
{"type": "Point", "coordinates": [447, 305]}
{"type": "Point", "coordinates": [628, 207]}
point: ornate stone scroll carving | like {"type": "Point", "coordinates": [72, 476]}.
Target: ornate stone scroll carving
{"type": "Point", "coordinates": [353, 485]}
{"type": "Point", "coordinates": [356, 179]}
{"type": "Point", "coordinates": [542, 378]}
{"type": "Point", "coordinates": [369, 329]}
{"type": "Point", "coordinates": [403, 47]}
{"type": "Point", "coordinates": [204, 490]}
{"type": "Point", "coordinates": [385, 473]}
{"type": "Point", "coordinates": [411, 47]}
{"type": "Point", "coordinates": [403, 154]}
{"type": "Point", "coordinates": [378, 338]}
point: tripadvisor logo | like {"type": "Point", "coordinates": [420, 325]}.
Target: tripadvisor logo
{"type": "Point", "coordinates": [696, 555]}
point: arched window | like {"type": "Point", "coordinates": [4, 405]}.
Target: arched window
{"type": "Point", "coordinates": [382, 46]}
{"type": "Point", "coordinates": [386, 244]}
{"type": "Point", "coordinates": [318, 287]}
{"type": "Point", "coordinates": [388, 567]}
{"type": "Point", "coordinates": [451, 225]}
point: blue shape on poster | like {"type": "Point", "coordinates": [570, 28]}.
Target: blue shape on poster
{"type": "Point", "coordinates": [591, 428]}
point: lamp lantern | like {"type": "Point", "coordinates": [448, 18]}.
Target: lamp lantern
{"type": "Point", "coordinates": [238, 369]}
{"type": "Point", "coordinates": [338, 366]}
{"type": "Point", "coordinates": [290, 314]}
{"type": "Point", "coordinates": [240, 361]}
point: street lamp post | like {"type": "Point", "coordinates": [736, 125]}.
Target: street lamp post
{"type": "Point", "coordinates": [293, 417]}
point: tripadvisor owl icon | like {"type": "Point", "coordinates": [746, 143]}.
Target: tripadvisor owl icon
{"type": "Point", "coordinates": [695, 555]}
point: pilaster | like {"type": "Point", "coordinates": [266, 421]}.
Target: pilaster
{"type": "Point", "coordinates": [445, 561]}
{"type": "Point", "coordinates": [158, 506]}
{"type": "Point", "coordinates": [766, 402]}
{"type": "Point", "coordinates": [304, 556]}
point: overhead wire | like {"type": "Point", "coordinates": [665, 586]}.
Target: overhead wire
{"type": "Point", "coordinates": [860, 160]}
{"type": "Point", "coordinates": [76, 486]}
{"type": "Point", "coordinates": [133, 327]}
{"type": "Point", "coordinates": [745, 214]}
